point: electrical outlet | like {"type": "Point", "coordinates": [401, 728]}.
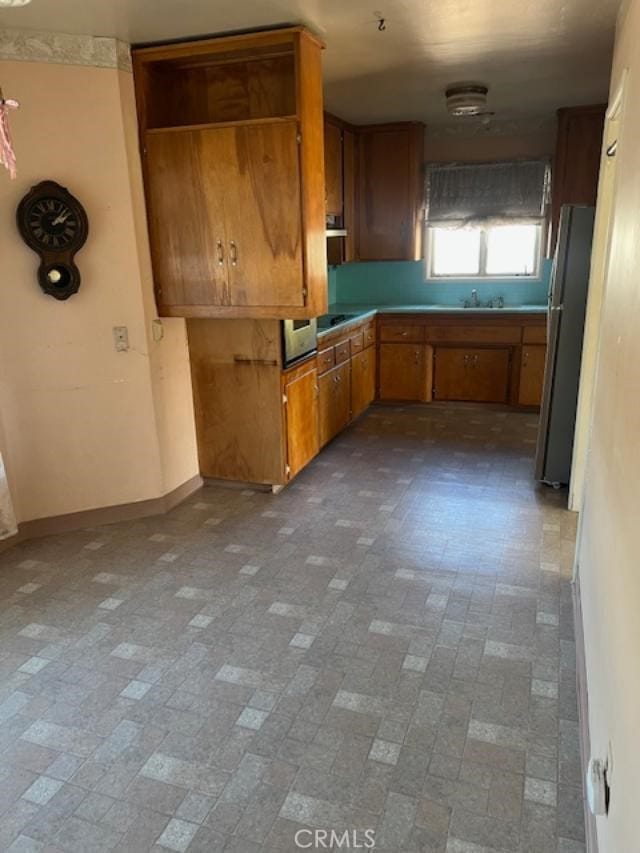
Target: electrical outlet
{"type": "Point", "coordinates": [121, 338]}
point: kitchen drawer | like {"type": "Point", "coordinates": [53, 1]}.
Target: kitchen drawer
{"type": "Point", "coordinates": [369, 335]}
{"type": "Point", "coordinates": [357, 342]}
{"type": "Point", "coordinates": [534, 335]}
{"type": "Point", "coordinates": [326, 359]}
{"type": "Point", "coordinates": [401, 334]}
{"type": "Point", "coordinates": [474, 334]}
{"type": "Point", "coordinates": [342, 352]}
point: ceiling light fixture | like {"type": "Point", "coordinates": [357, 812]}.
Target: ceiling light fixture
{"type": "Point", "coordinates": [6, 3]}
{"type": "Point", "coordinates": [467, 99]}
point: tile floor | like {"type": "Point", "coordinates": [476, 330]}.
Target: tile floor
{"type": "Point", "coordinates": [386, 645]}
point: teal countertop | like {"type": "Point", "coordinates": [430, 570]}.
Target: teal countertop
{"type": "Point", "coordinates": [361, 312]}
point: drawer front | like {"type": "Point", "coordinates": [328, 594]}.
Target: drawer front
{"type": "Point", "coordinates": [326, 359]}
{"type": "Point", "coordinates": [401, 334]}
{"type": "Point", "coordinates": [534, 335]}
{"type": "Point", "coordinates": [342, 352]}
{"type": "Point", "coordinates": [357, 342]}
{"type": "Point", "coordinates": [474, 334]}
{"type": "Point", "coordinates": [369, 335]}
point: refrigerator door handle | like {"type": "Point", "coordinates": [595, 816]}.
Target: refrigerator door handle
{"type": "Point", "coordinates": [556, 308]}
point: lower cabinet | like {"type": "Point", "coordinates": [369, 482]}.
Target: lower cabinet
{"type": "Point", "coordinates": [405, 372]}
{"type": "Point", "coordinates": [301, 417]}
{"type": "Point", "coordinates": [363, 380]}
{"type": "Point", "coordinates": [531, 374]}
{"type": "Point", "coordinates": [472, 374]}
{"type": "Point", "coordinates": [334, 402]}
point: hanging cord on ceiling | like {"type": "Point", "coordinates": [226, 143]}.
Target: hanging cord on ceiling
{"type": "Point", "coordinates": [382, 22]}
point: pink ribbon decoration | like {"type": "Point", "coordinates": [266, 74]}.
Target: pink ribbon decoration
{"type": "Point", "coordinates": [7, 155]}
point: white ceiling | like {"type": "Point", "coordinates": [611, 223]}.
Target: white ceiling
{"type": "Point", "coordinates": [535, 55]}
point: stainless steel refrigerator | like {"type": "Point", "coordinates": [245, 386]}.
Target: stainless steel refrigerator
{"type": "Point", "coordinates": [567, 307]}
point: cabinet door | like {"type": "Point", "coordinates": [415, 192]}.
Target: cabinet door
{"type": "Point", "coordinates": [301, 412]}
{"type": "Point", "coordinates": [261, 198]}
{"type": "Point", "coordinates": [405, 372]}
{"type": "Point", "coordinates": [333, 168]}
{"type": "Point", "coordinates": [334, 402]}
{"type": "Point", "coordinates": [390, 179]}
{"type": "Point", "coordinates": [475, 375]}
{"type": "Point", "coordinates": [577, 160]}
{"type": "Point", "coordinates": [531, 374]}
{"type": "Point", "coordinates": [186, 220]}
{"type": "Point", "coordinates": [349, 200]}
{"type": "Point", "coordinates": [363, 380]}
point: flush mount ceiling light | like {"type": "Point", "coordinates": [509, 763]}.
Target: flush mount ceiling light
{"type": "Point", "coordinates": [5, 3]}
{"type": "Point", "coordinates": [467, 99]}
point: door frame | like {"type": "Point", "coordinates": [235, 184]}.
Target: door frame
{"type": "Point", "coordinates": [600, 253]}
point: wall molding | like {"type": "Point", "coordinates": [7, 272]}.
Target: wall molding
{"type": "Point", "coordinates": [64, 49]}
{"type": "Point", "coordinates": [591, 833]}
{"type": "Point", "coordinates": [104, 515]}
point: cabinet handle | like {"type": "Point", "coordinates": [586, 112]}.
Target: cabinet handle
{"type": "Point", "coordinates": [220, 253]}
{"type": "Point", "coordinates": [403, 334]}
{"type": "Point", "coordinates": [466, 360]}
{"type": "Point", "coordinates": [233, 252]}
{"type": "Point", "coordinates": [417, 355]}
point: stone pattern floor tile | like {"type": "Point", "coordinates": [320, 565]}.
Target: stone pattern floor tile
{"type": "Point", "coordinates": [387, 645]}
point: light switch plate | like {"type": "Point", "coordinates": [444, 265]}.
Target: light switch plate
{"type": "Point", "coordinates": [121, 338]}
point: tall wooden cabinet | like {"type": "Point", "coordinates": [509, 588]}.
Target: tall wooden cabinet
{"type": "Point", "coordinates": [390, 192]}
{"type": "Point", "coordinates": [576, 163]}
{"type": "Point", "coordinates": [231, 134]}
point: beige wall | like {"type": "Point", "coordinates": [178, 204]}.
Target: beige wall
{"type": "Point", "coordinates": [609, 543]}
{"type": "Point", "coordinates": [84, 425]}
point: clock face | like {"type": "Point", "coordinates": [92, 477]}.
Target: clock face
{"type": "Point", "coordinates": [52, 223]}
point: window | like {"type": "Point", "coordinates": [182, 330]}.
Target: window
{"type": "Point", "coordinates": [499, 250]}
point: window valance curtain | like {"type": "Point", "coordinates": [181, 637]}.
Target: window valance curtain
{"type": "Point", "coordinates": [459, 194]}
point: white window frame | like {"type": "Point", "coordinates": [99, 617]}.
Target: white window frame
{"type": "Point", "coordinates": [482, 274]}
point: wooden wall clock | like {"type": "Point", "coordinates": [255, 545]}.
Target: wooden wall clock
{"type": "Point", "coordinates": [54, 224]}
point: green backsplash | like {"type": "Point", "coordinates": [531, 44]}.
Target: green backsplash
{"type": "Point", "coordinates": [403, 283]}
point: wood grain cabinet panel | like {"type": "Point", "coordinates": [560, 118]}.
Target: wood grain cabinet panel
{"type": "Point", "coordinates": [475, 375]}
{"type": "Point", "coordinates": [363, 380]}
{"type": "Point", "coordinates": [531, 374]}
{"type": "Point", "coordinates": [357, 342]}
{"type": "Point", "coordinates": [334, 402]}
{"type": "Point", "coordinates": [187, 248]}
{"type": "Point", "coordinates": [301, 418]}
{"type": "Point", "coordinates": [390, 192]}
{"type": "Point", "coordinates": [333, 168]}
{"type": "Point", "coordinates": [577, 160]}
{"type": "Point", "coordinates": [404, 334]}
{"type": "Point", "coordinates": [326, 359]}
{"type": "Point", "coordinates": [405, 372]}
{"type": "Point", "coordinates": [343, 351]}
{"type": "Point", "coordinates": [262, 214]}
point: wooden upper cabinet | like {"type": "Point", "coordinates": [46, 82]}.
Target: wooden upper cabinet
{"type": "Point", "coordinates": [577, 160]}
{"type": "Point", "coordinates": [333, 168]}
{"type": "Point", "coordinates": [390, 192]}
{"type": "Point", "coordinates": [232, 141]}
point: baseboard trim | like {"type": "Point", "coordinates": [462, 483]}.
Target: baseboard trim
{"type": "Point", "coordinates": [103, 515]}
{"type": "Point", "coordinates": [591, 834]}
